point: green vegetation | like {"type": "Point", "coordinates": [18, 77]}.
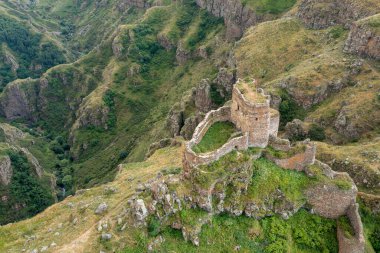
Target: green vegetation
{"type": "Point", "coordinates": [109, 100]}
{"type": "Point", "coordinates": [303, 232]}
{"type": "Point", "coordinates": [25, 191]}
{"type": "Point", "coordinates": [270, 6]}
{"type": "Point", "coordinates": [345, 225]}
{"type": "Point", "coordinates": [216, 136]}
{"type": "Point", "coordinates": [289, 110]}
{"type": "Point", "coordinates": [297, 149]}
{"type": "Point", "coordinates": [371, 222]}
{"type": "Point", "coordinates": [30, 52]}
{"type": "Point", "coordinates": [268, 177]}
{"type": "Point", "coordinates": [316, 133]}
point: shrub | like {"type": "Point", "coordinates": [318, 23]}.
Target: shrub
{"type": "Point", "coordinates": [289, 110]}
{"type": "Point", "coordinates": [123, 155]}
{"type": "Point", "coordinates": [154, 226]}
{"type": "Point", "coordinates": [316, 133]}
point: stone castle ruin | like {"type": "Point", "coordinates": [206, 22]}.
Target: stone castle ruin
{"type": "Point", "coordinates": [250, 112]}
{"type": "Point", "coordinates": [258, 124]}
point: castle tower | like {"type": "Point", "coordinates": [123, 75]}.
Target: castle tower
{"type": "Point", "coordinates": [251, 112]}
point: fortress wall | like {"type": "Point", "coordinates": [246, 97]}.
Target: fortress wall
{"type": "Point", "coordinates": [329, 200]}
{"type": "Point", "coordinates": [356, 222]}
{"type": "Point", "coordinates": [274, 122]}
{"type": "Point", "coordinates": [251, 118]}
{"type": "Point", "coordinates": [356, 243]}
{"type": "Point", "coordinates": [278, 143]}
{"type": "Point", "coordinates": [298, 161]}
{"type": "Point", "coordinates": [222, 114]}
{"type": "Point", "coordinates": [193, 159]}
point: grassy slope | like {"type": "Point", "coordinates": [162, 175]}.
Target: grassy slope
{"type": "Point", "coordinates": [223, 235]}
{"type": "Point", "coordinates": [313, 59]}
{"type": "Point", "coordinates": [142, 100]}
{"type": "Point", "coordinates": [76, 25]}
{"type": "Point", "coordinates": [83, 237]}
{"type": "Point", "coordinates": [39, 148]}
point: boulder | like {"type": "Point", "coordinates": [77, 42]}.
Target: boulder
{"type": "Point", "coordinates": [102, 208]}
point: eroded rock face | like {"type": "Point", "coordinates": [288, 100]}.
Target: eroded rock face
{"type": "Point", "coordinates": [225, 81]}
{"type": "Point", "coordinates": [16, 103]}
{"type": "Point", "coordinates": [165, 42]}
{"type": "Point", "coordinates": [182, 55]}
{"type": "Point", "coordinates": [308, 98]}
{"type": "Point", "coordinates": [202, 97]}
{"type": "Point", "coordinates": [363, 40]}
{"type": "Point", "coordinates": [190, 124]}
{"type": "Point", "coordinates": [344, 125]}
{"type": "Point", "coordinates": [5, 170]}
{"type": "Point", "coordinates": [237, 17]}
{"type": "Point", "coordinates": [175, 122]}
{"type": "Point", "coordinates": [92, 116]}
{"type": "Point", "coordinates": [141, 4]}
{"type": "Point", "coordinates": [295, 130]}
{"type": "Point", "coordinates": [320, 14]}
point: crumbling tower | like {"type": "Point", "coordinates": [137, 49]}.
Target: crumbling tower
{"type": "Point", "coordinates": [251, 113]}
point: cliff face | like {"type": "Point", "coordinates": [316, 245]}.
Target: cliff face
{"type": "Point", "coordinates": [237, 17]}
{"type": "Point", "coordinates": [364, 38]}
{"type": "Point", "coordinates": [16, 101]}
{"type": "Point", "coordinates": [5, 170]}
{"type": "Point", "coordinates": [319, 14]}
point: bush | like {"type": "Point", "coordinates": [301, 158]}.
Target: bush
{"type": "Point", "coordinates": [123, 155]}
{"type": "Point", "coordinates": [154, 226]}
{"type": "Point", "coordinates": [316, 133]}
{"type": "Point", "coordinates": [289, 110]}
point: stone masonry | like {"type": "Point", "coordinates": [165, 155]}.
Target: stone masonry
{"type": "Point", "coordinates": [251, 113]}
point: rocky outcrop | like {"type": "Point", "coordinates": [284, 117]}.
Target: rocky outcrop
{"type": "Point", "coordinates": [165, 42]}
{"type": "Point", "coordinates": [310, 97]}
{"type": "Point", "coordinates": [295, 130]}
{"type": "Point", "coordinates": [202, 97]}
{"type": "Point", "coordinates": [175, 121]}
{"type": "Point", "coordinates": [33, 161]}
{"type": "Point", "coordinates": [117, 47]}
{"type": "Point", "coordinates": [11, 60]}
{"type": "Point", "coordinates": [17, 101]}
{"type": "Point", "coordinates": [182, 55]}
{"type": "Point", "coordinates": [225, 81]}
{"type": "Point", "coordinates": [237, 17]}
{"type": "Point", "coordinates": [319, 14]}
{"type": "Point", "coordinates": [344, 126]}
{"type": "Point", "coordinates": [364, 38]}
{"type": "Point", "coordinates": [5, 170]}
{"type": "Point", "coordinates": [96, 116]}
{"type": "Point", "coordinates": [190, 124]}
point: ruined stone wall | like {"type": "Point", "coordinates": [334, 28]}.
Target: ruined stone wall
{"type": "Point", "coordinates": [279, 144]}
{"type": "Point", "coordinates": [192, 159]}
{"type": "Point", "coordinates": [274, 122]}
{"type": "Point", "coordinates": [356, 243]}
{"type": "Point", "coordinates": [222, 114]}
{"type": "Point", "coordinates": [329, 200]}
{"type": "Point", "coordinates": [298, 161]}
{"type": "Point", "coordinates": [253, 118]}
